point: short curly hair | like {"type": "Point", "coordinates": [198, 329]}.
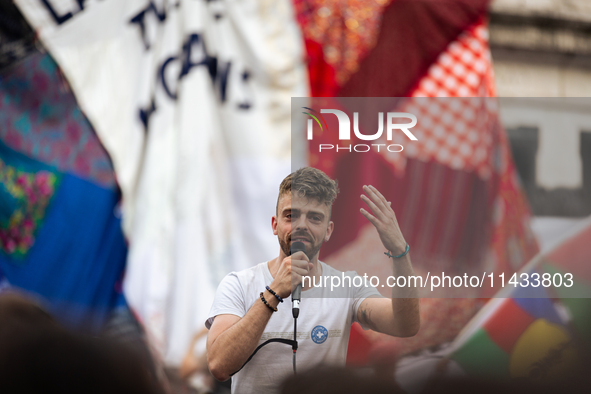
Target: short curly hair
{"type": "Point", "coordinates": [312, 183]}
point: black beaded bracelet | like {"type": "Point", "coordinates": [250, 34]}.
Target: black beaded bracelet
{"type": "Point", "coordinates": [266, 303]}
{"type": "Point", "coordinates": [275, 294]}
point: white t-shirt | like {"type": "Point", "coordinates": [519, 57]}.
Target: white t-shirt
{"type": "Point", "coordinates": [323, 327]}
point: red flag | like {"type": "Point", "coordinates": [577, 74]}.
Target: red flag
{"type": "Point", "coordinates": [455, 192]}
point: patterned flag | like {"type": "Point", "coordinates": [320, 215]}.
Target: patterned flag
{"type": "Point", "coordinates": [516, 337]}
{"type": "Point", "coordinates": [573, 256]}
{"type": "Point", "coordinates": [521, 349]}
{"type": "Point", "coordinates": [60, 231]}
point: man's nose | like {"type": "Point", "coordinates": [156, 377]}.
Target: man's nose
{"type": "Point", "coordinates": [300, 224]}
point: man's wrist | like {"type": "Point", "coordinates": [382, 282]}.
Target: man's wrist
{"type": "Point", "coordinates": [271, 307]}
{"type": "Point", "coordinates": [399, 248]}
{"type": "Point", "coordinates": [279, 291]}
{"type": "Point", "coordinates": [397, 255]}
{"type": "Point", "coordinates": [270, 290]}
{"type": "Point", "coordinates": [271, 299]}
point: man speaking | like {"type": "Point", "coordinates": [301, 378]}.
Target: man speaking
{"type": "Point", "coordinates": [254, 305]}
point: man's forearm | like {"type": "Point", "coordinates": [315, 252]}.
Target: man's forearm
{"type": "Point", "coordinates": [398, 316]}
{"type": "Point", "coordinates": [405, 301]}
{"type": "Point", "coordinates": [233, 347]}
{"type": "Point", "coordinates": [403, 318]}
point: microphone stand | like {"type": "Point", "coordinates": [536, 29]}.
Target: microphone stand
{"type": "Point", "coordinates": [295, 311]}
{"type": "Point", "coordinates": [295, 303]}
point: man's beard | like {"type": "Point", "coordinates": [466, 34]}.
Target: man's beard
{"type": "Point", "coordinates": [310, 251]}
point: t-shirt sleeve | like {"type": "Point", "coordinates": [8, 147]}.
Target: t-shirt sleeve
{"type": "Point", "coordinates": [359, 295]}
{"type": "Point", "coordinates": [228, 300]}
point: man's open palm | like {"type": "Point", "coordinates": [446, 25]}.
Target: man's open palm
{"type": "Point", "coordinates": [384, 220]}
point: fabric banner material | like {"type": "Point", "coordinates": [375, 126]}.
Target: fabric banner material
{"type": "Point", "coordinates": [192, 100]}
{"type": "Point", "coordinates": [60, 229]}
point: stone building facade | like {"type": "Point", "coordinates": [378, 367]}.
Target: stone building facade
{"type": "Point", "coordinates": [541, 53]}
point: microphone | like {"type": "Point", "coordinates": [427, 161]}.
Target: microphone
{"type": "Point", "coordinates": [296, 296]}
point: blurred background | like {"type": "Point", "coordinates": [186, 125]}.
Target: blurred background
{"type": "Point", "coordinates": [142, 144]}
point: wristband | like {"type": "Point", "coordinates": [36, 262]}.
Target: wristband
{"type": "Point", "coordinates": [400, 255]}
{"type": "Point", "coordinates": [275, 294]}
{"type": "Point", "coordinates": [266, 303]}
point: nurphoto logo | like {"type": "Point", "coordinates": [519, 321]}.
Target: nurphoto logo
{"type": "Point", "coordinates": [345, 129]}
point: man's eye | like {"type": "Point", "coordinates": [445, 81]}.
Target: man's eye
{"type": "Point", "coordinates": [316, 218]}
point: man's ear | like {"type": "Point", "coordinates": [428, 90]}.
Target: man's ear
{"type": "Point", "coordinates": [329, 231]}
{"type": "Point", "coordinates": [274, 224]}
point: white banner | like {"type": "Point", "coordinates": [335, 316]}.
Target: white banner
{"type": "Point", "coordinates": [191, 98]}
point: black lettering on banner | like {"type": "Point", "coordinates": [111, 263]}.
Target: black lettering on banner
{"type": "Point", "coordinates": [162, 76]}
{"type": "Point", "coordinates": [81, 4]}
{"type": "Point", "coordinates": [218, 71]}
{"type": "Point", "coordinates": [216, 14]}
{"type": "Point", "coordinates": [194, 53]}
{"type": "Point", "coordinates": [146, 113]}
{"type": "Point", "coordinates": [205, 59]}
{"type": "Point", "coordinates": [59, 19]}
{"type": "Point", "coordinates": [139, 19]}
{"type": "Point", "coordinates": [224, 71]}
{"type": "Point", "coordinates": [244, 79]}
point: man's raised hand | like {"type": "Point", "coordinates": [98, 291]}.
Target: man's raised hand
{"type": "Point", "coordinates": [384, 220]}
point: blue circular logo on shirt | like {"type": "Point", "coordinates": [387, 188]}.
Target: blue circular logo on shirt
{"type": "Point", "coordinates": [319, 334]}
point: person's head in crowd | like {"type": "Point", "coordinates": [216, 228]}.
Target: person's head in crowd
{"type": "Point", "coordinates": [19, 312]}
{"type": "Point", "coordinates": [37, 355]}
{"type": "Point", "coordinates": [338, 380]}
